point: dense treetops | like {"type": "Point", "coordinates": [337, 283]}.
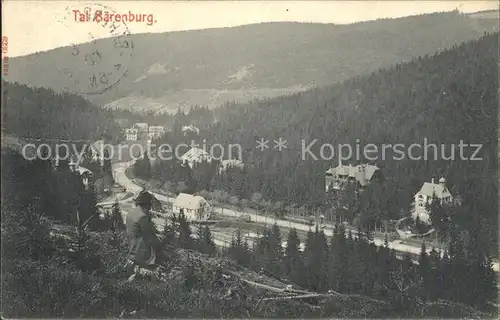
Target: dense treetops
{"type": "Point", "coordinates": [444, 99]}
{"type": "Point", "coordinates": [43, 113]}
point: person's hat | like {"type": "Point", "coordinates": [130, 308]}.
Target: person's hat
{"type": "Point", "coordinates": [143, 197]}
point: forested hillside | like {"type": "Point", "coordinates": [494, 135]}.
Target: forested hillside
{"type": "Point", "coordinates": [57, 263]}
{"type": "Point", "coordinates": [444, 98]}
{"type": "Point", "coordinates": [43, 113]}
{"type": "Point", "coordinates": [209, 67]}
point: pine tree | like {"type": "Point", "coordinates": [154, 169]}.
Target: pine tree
{"type": "Point", "coordinates": [323, 260]}
{"type": "Point", "coordinates": [339, 259]}
{"type": "Point", "coordinates": [168, 238]}
{"type": "Point", "coordinates": [384, 268]}
{"type": "Point", "coordinates": [238, 250]}
{"type": "Point", "coordinates": [425, 273]}
{"type": "Point", "coordinates": [293, 267]}
{"type": "Point", "coordinates": [185, 239]}
{"type": "Point", "coordinates": [445, 282]}
{"type": "Point", "coordinates": [438, 217]}
{"type": "Point", "coordinates": [117, 225]}
{"type": "Point", "coordinates": [274, 252]}
{"type": "Point", "coordinates": [435, 288]}
{"type": "Point", "coordinates": [208, 242]}
{"type": "Point", "coordinates": [311, 269]}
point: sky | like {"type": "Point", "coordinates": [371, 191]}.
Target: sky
{"type": "Point", "coordinates": [33, 26]}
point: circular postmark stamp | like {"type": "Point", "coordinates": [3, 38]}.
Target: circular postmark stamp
{"type": "Point", "coordinates": [98, 59]}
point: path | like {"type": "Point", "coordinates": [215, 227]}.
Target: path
{"type": "Point", "coordinates": [122, 179]}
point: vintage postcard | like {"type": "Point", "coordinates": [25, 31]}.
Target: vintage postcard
{"type": "Point", "coordinates": [250, 159]}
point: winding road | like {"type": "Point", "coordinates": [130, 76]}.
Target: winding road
{"type": "Point", "coordinates": [122, 179]}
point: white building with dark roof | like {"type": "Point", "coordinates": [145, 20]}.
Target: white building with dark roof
{"type": "Point", "coordinates": [232, 163]}
{"type": "Point", "coordinates": [337, 178]}
{"type": "Point", "coordinates": [195, 155]}
{"type": "Point", "coordinates": [141, 126]}
{"type": "Point", "coordinates": [190, 129]}
{"type": "Point", "coordinates": [156, 132]}
{"type": "Point", "coordinates": [131, 134]}
{"type": "Point", "coordinates": [424, 197]}
{"type": "Point", "coordinates": [196, 208]}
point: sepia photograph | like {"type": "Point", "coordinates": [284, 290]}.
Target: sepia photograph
{"type": "Point", "coordinates": [250, 159]}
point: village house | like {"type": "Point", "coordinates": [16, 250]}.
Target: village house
{"type": "Point", "coordinates": [141, 126]}
{"type": "Point", "coordinates": [131, 134]}
{"type": "Point", "coordinates": [97, 149]}
{"type": "Point", "coordinates": [337, 178]}
{"type": "Point", "coordinates": [425, 195]}
{"type": "Point", "coordinates": [195, 208]}
{"type": "Point", "coordinates": [227, 164]}
{"type": "Point", "coordinates": [190, 129]}
{"type": "Point", "coordinates": [85, 174]}
{"type": "Point", "coordinates": [195, 155]}
{"type": "Point", "coordinates": [155, 132]}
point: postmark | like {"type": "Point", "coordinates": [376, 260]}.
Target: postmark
{"type": "Point", "coordinates": [100, 64]}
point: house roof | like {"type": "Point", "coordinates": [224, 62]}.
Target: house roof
{"type": "Point", "coordinates": [195, 154]}
{"type": "Point", "coordinates": [156, 204]}
{"type": "Point", "coordinates": [188, 201]}
{"type": "Point", "coordinates": [82, 170]}
{"type": "Point", "coordinates": [153, 128]}
{"type": "Point", "coordinates": [434, 189]}
{"type": "Point", "coordinates": [363, 173]}
{"type": "Point", "coordinates": [190, 128]}
{"type": "Point", "coordinates": [231, 163]}
{"type": "Point", "coordinates": [98, 148]}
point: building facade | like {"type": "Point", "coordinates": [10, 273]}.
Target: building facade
{"type": "Point", "coordinates": [195, 208]}
{"type": "Point", "coordinates": [156, 132]}
{"type": "Point", "coordinates": [195, 155]}
{"type": "Point", "coordinates": [227, 164]}
{"type": "Point", "coordinates": [423, 198]}
{"type": "Point", "coordinates": [131, 134]}
{"type": "Point", "coordinates": [190, 130]}
{"type": "Point", "coordinates": [338, 177]}
{"type": "Point", "coordinates": [141, 126]}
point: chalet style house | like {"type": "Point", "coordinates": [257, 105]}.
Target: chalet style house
{"type": "Point", "coordinates": [337, 178]}
{"type": "Point", "coordinates": [156, 132]}
{"type": "Point", "coordinates": [195, 155]}
{"type": "Point", "coordinates": [131, 134]}
{"type": "Point", "coordinates": [227, 164]}
{"type": "Point", "coordinates": [141, 126]}
{"type": "Point", "coordinates": [424, 197]}
{"type": "Point", "coordinates": [195, 208]}
{"type": "Point", "coordinates": [190, 129]}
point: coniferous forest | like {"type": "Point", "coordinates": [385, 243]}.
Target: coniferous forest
{"type": "Point", "coordinates": [62, 256]}
{"type": "Point", "coordinates": [42, 113]}
{"type": "Point", "coordinates": [445, 99]}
